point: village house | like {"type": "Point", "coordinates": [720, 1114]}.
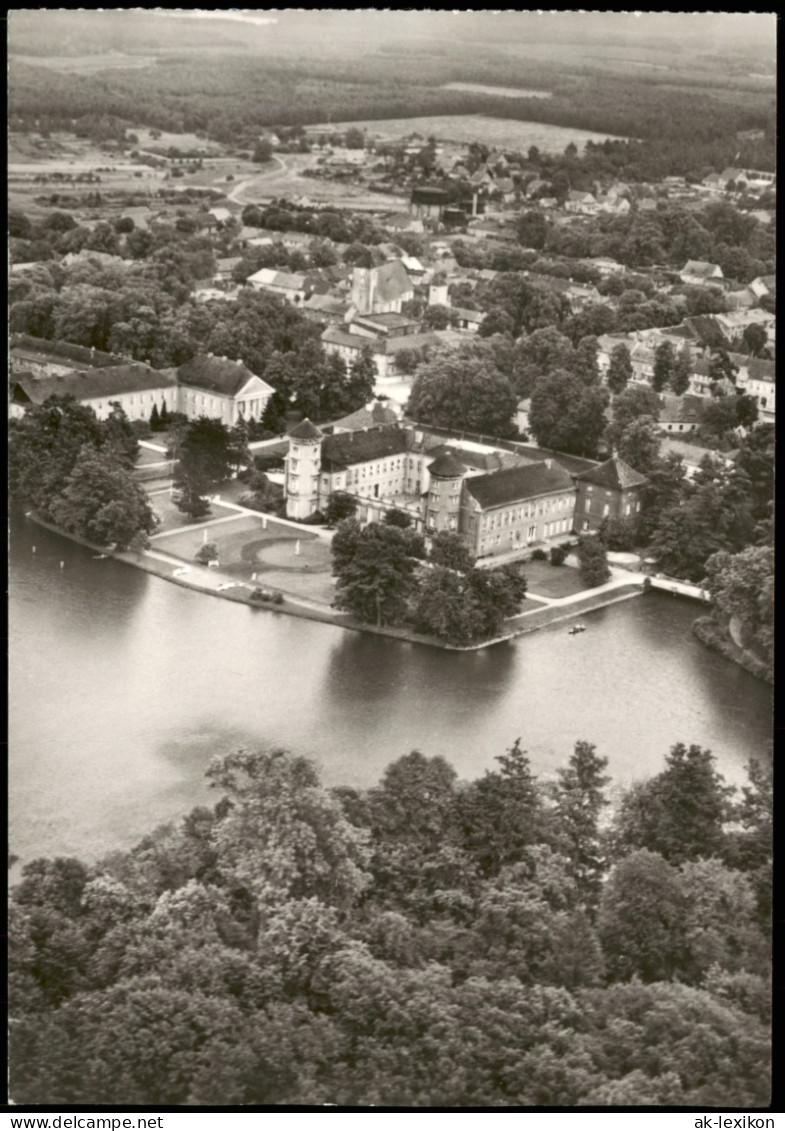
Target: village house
{"type": "Point", "coordinates": [755, 378]}
{"type": "Point", "coordinates": [680, 415]}
{"type": "Point", "coordinates": [692, 455]}
{"type": "Point", "coordinates": [372, 416]}
{"type": "Point", "coordinates": [610, 490]}
{"type": "Point", "coordinates": [697, 273]}
{"type": "Point", "coordinates": [289, 286]}
{"type": "Point", "coordinates": [224, 268]}
{"type": "Point", "coordinates": [605, 266]}
{"type": "Point", "coordinates": [467, 320]}
{"type": "Point", "coordinates": [733, 324]}
{"type": "Point", "coordinates": [326, 309]}
{"type": "Point", "coordinates": [404, 222]}
{"type": "Point", "coordinates": [349, 344]}
{"type": "Point", "coordinates": [764, 285]}
{"type": "Point", "coordinates": [582, 203]}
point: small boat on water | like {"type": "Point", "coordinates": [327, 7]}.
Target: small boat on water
{"type": "Point", "coordinates": [576, 628]}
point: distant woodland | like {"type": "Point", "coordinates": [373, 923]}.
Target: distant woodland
{"type": "Point", "coordinates": [688, 119]}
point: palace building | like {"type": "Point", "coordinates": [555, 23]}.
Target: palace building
{"type": "Point", "coordinates": [498, 501]}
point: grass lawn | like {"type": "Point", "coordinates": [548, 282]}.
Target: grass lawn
{"type": "Point", "coordinates": [552, 581]}
{"type": "Point", "coordinates": [173, 519]}
{"type": "Point", "coordinates": [241, 542]}
{"type": "Point", "coordinates": [246, 548]}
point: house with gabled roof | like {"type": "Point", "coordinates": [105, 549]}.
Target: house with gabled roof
{"type": "Point", "coordinates": [698, 273]}
{"type": "Point", "coordinates": [221, 388]}
{"type": "Point", "coordinates": [512, 509]}
{"type": "Point", "coordinates": [764, 285]}
{"type": "Point", "coordinates": [289, 286]}
{"type": "Point", "coordinates": [136, 387]}
{"type": "Point", "coordinates": [583, 203]}
{"type": "Point", "coordinates": [609, 490]}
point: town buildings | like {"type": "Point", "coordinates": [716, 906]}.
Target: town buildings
{"type": "Point", "coordinates": [205, 386]}
{"type": "Point", "coordinates": [499, 501]}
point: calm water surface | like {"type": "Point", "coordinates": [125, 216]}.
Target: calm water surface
{"type": "Point", "coordinates": [123, 686]}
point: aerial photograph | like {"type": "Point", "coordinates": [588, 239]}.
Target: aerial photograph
{"type": "Point", "coordinates": [391, 439]}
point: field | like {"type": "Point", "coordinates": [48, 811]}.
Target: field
{"type": "Point", "coordinates": [501, 91]}
{"type": "Point", "coordinates": [85, 64]}
{"type": "Point", "coordinates": [283, 177]}
{"type": "Point", "coordinates": [466, 128]}
{"type": "Point", "coordinates": [177, 141]}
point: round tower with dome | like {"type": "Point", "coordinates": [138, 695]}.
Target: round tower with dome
{"type": "Point", "coordinates": [443, 498]}
{"type": "Point", "coordinates": [303, 465]}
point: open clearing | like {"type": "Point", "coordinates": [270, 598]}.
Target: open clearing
{"type": "Point", "coordinates": [85, 64]}
{"type": "Point", "coordinates": [502, 91]}
{"type": "Point", "coordinates": [466, 128]}
{"type": "Point", "coordinates": [283, 177]}
{"type": "Point", "coordinates": [552, 581]}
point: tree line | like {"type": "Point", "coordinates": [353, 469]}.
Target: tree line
{"type": "Point", "coordinates": [429, 942]}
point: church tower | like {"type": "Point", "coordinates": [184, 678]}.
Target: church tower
{"type": "Point", "coordinates": [365, 279]}
{"type": "Point", "coordinates": [303, 465]}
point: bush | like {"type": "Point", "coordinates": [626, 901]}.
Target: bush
{"type": "Point", "coordinates": [267, 595]}
{"type": "Point", "coordinates": [593, 559]}
{"type": "Point", "coordinates": [619, 534]}
{"type": "Point", "coordinates": [539, 555]}
{"type": "Point", "coordinates": [558, 555]}
{"type": "Point", "coordinates": [141, 429]}
{"type": "Point", "coordinates": [268, 463]}
{"type": "Point", "coordinates": [340, 505]}
{"type": "Point", "coordinates": [207, 553]}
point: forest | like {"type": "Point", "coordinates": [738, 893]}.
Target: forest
{"type": "Point", "coordinates": [686, 122]}
{"type": "Point", "coordinates": [429, 942]}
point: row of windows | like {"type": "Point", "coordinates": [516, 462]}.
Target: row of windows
{"type": "Point", "coordinates": [529, 510]}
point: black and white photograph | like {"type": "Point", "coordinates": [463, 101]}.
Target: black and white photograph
{"type": "Point", "coordinates": [391, 433]}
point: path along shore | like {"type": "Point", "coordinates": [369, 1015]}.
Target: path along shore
{"type": "Point", "coordinates": [545, 611]}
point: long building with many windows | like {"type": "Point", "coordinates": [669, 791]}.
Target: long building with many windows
{"type": "Point", "coordinates": [498, 501]}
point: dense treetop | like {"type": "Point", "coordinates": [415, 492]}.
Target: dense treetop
{"type": "Point", "coordinates": [427, 942]}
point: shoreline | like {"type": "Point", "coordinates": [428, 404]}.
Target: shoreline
{"type": "Point", "coordinates": [714, 637]}
{"type": "Point", "coordinates": [203, 580]}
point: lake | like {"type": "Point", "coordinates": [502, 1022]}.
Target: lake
{"type": "Point", "coordinates": [122, 687]}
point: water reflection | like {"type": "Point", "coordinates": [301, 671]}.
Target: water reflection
{"type": "Point", "coordinates": [123, 687]}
